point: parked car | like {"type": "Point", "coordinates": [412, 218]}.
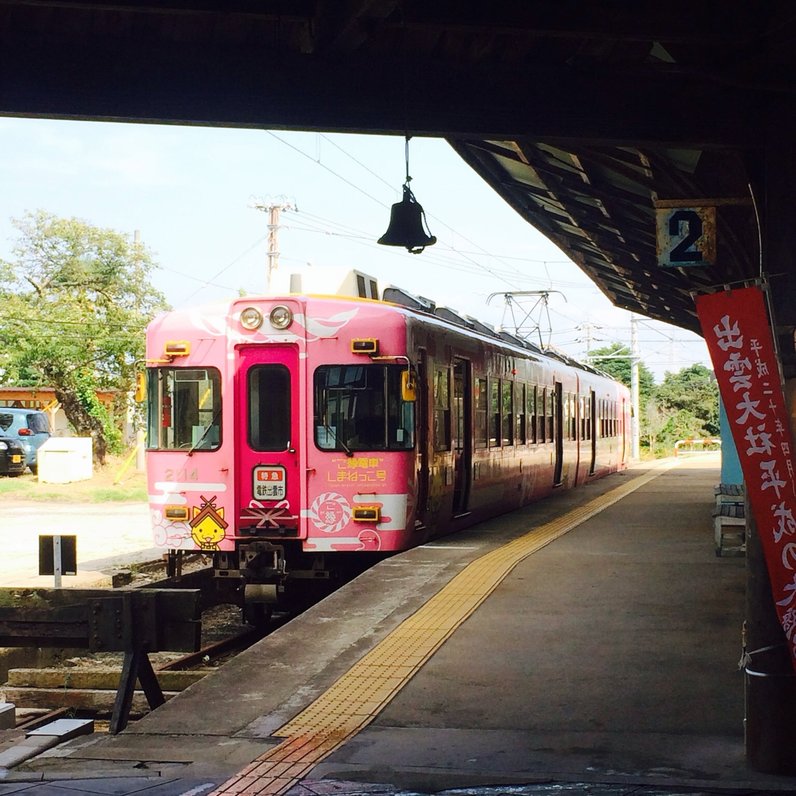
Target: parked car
{"type": "Point", "coordinates": [30, 427]}
{"type": "Point", "coordinates": [12, 456]}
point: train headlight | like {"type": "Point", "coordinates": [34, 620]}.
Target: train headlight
{"type": "Point", "coordinates": [251, 318]}
{"type": "Point", "coordinates": [281, 317]}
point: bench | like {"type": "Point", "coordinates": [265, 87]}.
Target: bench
{"type": "Point", "coordinates": [729, 518]}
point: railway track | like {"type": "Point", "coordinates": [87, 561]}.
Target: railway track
{"type": "Point", "coordinates": [85, 685]}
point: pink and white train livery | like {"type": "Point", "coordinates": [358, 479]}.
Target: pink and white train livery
{"type": "Point", "coordinates": [289, 436]}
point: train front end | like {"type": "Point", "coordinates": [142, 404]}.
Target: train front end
{"type": "Point", "coordinates": [281, 439]}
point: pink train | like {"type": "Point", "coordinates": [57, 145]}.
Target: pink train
{"type": "Point", "coordinates": [292, 436]}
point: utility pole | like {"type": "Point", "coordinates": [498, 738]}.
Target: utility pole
{"type": "Point", "coordinates": [587, 328]}
{"type": "Point", "coordinates": [635, 421]}
{"type": "Point", "coordinates": [273, 209]}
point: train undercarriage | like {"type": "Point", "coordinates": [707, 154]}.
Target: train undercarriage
{"type": "Point", "coordinates": [261, 576]}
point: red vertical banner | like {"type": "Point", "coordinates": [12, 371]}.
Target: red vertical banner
{"type": "Point", "coordinates": [738, 334]}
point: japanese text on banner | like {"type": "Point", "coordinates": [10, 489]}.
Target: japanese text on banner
{"type": "Point", "coordinates": [736, 329]}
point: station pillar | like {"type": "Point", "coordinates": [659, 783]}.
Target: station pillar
{"type": "Point", "coordinates": [770, 682]}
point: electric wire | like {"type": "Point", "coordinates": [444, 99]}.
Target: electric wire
{"type": "Point", "coordinates": [225, 268]}
{"type": "Point", "coordinates": [370, 196]}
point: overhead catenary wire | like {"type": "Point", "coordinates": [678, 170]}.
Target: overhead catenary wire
{"type": "Point", "coordinates": [502, 268]}
{"type": "Point", "coordinates": [378, 201]}
{"type": "Point", "coordinates": [228, 266]}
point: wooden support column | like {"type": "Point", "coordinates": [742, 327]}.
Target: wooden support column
{"type": "Point", "coordinates": [769, 682]}
{"type": "Point", "coordinates": [770, 692]}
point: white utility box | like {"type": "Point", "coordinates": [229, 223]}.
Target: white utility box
{"type": "Point", "coordinates": [66, 459]}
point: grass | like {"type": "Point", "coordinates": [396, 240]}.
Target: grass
{"type": "Point", "coordinates": [110, 483]}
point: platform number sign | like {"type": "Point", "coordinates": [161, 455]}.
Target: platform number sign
{"type": "Point", "coordinates": [686, 236]}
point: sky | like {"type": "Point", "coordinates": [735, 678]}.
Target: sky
{"type": "Point", "coordinates": [191, 193]}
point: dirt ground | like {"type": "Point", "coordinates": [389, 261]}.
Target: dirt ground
{"type": "Point", "coordinates": [115, 481]}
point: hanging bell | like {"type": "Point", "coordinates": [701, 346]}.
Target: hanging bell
{"type": "Point", "coordinates": [408, 226]}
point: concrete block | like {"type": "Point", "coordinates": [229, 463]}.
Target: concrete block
{"type": "Point", "coordinates": [64, 729]}
{"type": "Point", "coordinates": [8, 716]}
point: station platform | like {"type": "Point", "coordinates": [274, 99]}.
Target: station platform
{"type": "Point", "coordinates": [585, 644]}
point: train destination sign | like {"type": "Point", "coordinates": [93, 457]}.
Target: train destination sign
{"type": "Point", "coordinates": [269, 482]}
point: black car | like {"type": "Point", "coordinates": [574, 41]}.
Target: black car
{"type": "Point", "coordinates": [12, 456]}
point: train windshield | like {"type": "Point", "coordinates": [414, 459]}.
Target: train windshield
{"type": "Point", "coordinates": [184, 410]}
{"type": "Point", "coordinates": [359, 408]}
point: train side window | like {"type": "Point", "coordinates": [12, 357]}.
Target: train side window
{"type": "Point", "coordinates": [507, 412]}
{"type": "Point", "coordinates": [481, 413]}
{"type": "Point", "coordinates": [585, 413]}
{"type": "Point", "coordinates": [590, 417]}
{"type": "Point", "coordinates": [494, 413]}
{"type": "Point", "coordinates": [519, 408]}
{"type": "Point", "coordinates": [541, 413]}
{"type": "Point", "coordinates": [573, 414]}
{"type": "Point", "coordinates": [361, 408]}
{"type": "Point", "coordinates": [531, 416]}
{"type": "Point", "coordinates": [569, 420]}
{"type": "Point", "coordinates": [442, 410]}
{"type": "Point", "coordinates": [269, 408]}
{"type": "Point", "coordinates": [551, 416]}
{"type": "Point", "coordinates": [572, 409]}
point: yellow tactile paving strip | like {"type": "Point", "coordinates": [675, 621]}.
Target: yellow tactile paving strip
{"type": "Point", "coordinates": [360, 694]}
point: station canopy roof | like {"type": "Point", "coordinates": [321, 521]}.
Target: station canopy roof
{"type": "Point", "coordinates": [584, 116]}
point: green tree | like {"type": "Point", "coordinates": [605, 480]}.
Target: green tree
{"type": "Point", "coordinates": [682, 424]}
{"type": "Point", "coordinates": [615, 360]}
{"type": "Point", "coordinates": [653, 425]}
{"type": "Point", "coordinates": [692, 392]}
{"type": "Point", "coordinates": [77, 299]}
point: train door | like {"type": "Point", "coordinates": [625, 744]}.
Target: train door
{"type": "Point", "coordinates": [267, 425]}
{"type": "Point", "coordinates": [462, 438]}
{"type": "Point", "coordinates": [558, 430]}
{"type": "Point", "coordinates": [592, 429]}
{"type": "Point", "coordinates": [423, 395]}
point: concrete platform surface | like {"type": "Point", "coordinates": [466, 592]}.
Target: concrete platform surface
{"type": "Point", "coordinates": [604, 663]}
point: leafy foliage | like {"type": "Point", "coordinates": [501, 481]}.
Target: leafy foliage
{"type": "Point", "coordinates": [616, 360]}
{"type": "Point", "coordinates": [77, 299]}
{"type": "Point", "coordinates": [684, 406]}
{"type": "Point", "coordinates": [692, 390]}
